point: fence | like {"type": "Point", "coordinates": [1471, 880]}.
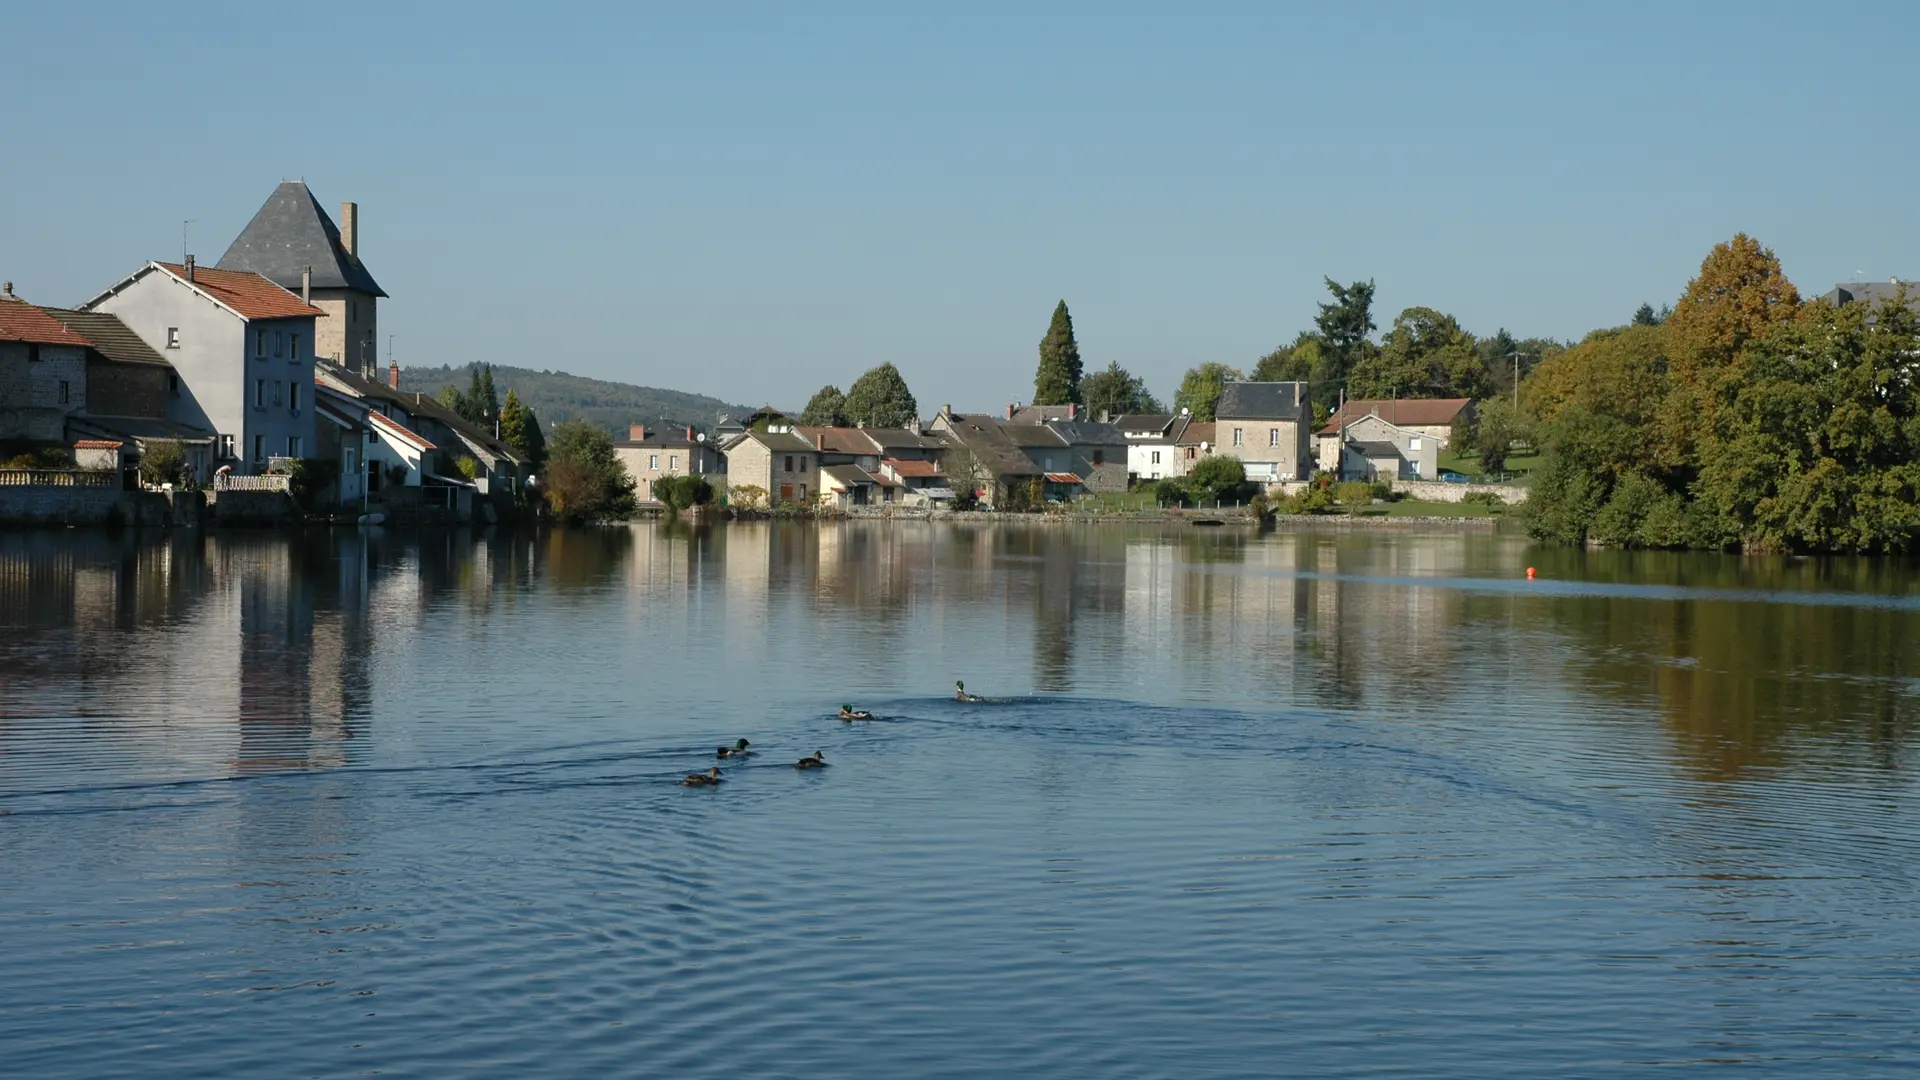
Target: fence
{"type": "Point", "coordinates": [269, 482]}
{"type": "Point", "coordinates": [59, 478]}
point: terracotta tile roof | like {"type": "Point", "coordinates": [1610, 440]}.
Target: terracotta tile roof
{"type": "Point", "coordinates": [906, 467]}
{"type": "Point", "coordinates": [98, 444]}
{"type": "Point", "coordinates": [1426, 412]}
{"type": "Point", "coordinates": [380, 420]}
{"type": "Point", "coordinates": [253, 296]}
{"type": "Point", "coordinates": [1062, 478]}
{"type": "Point", "coordinates": [21, 321]}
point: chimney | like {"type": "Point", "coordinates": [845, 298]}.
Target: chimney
{"type": "Point", "coordinates": [350, 228]}
{"type": "Point", "coordinates": [189, 268]}
{"type": "Point", "coordinates": [393, 376]}
{"type": "Point", "coordinates": [306, 285]}
{"type": "Point", "coordinates": [819, 440]}
{"type": "Point", "coordinates": [6, 289]}
{"type": "Point", "coordinates": [636, 433]}
{"type": "Point", "coordinates": [1073, 410]}
{"type": "Point", "coordinates": [689, 434]}
{"type": "Point", "coordinates": [1011, 405]}
{"type": "Point", "coordinates": [1296, 395]}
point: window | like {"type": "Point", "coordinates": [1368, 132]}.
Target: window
{"type": "Point", "coordinates": [279, 343]}
{"type": "Point", "coordinates": [372, 437]}
{"type": "Point", "coordinates": [1237, 439]}
{"type": "Point", "coordinates": [1099, 457]}
{"type": "Point", "coordinates": [1156, 457]}
{"type": "Point", "coordinates": [173, 337]}
{"type": "Point", "coordinates": [276, 393]}
{"type": "Point", "coordinates": [803, 468]}
{"type": "Point", "coordinates": [226, 447]}
{"type": "Point", "coordinates": [33, 352]}
{"type": "Point", "coordinates": [293, 398]}
{"type": "Point", "coordinates": [66, 391]}
{"type": "Point", "coordinates": [673, 462]}
{"type": "Point", "coordinates": [173, 383]}
{"type": "Point", "coordinates": [260, 344]}
{"type": "Point", "coordinates": [293, 446]}
{"type": "Point", "coordinates": [1273, 437]}
{"type": "Point", "coordinates": [293, 346]}
{"type": "Point", "coordinates": [259, 448]}
{"type": "Point", "coordinates": [1413, 445]}
{"type": "Point", "coordinates": [788, 467]}
{"type": "Point", "coordinates": [259, 393]}
{"type": "Point", "coordinates": [803, 487]}
{"type": "Point", "coordinates": [653, 461]}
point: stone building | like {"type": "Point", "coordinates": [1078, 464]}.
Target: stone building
{"type": "Point", "coordinates": [777, 460]}
{"type": "Point", "coordinates": [1269, 427]}
{"type": "Point", "coordinates": [650, 455]}
{"type": "Point", "coordinates": [294, 244]}
{"type": "Point", "coordinates": [43, 372]}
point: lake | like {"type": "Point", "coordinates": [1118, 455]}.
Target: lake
{"type": "Point", "coordinates": [1315, 803]}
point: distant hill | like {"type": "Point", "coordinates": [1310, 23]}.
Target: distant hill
{"type": "Point", "coordinates": [556, 396]}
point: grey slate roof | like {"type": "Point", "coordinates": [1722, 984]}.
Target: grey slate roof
{"type": "Point", "coordinates": [1087, 433]}
{"type": "Point", "coordinates": [984, 438]}
{"type": "Point", "coordinates": [109, 336]}
{"type": "Point", "coordinates": [901, 438]}
{"type": "Point", "coordinates": [291, 233]}
{"type": "Point", "coordinates": [1873, 293]}
{"type": "Point", "coordinates": [784, 442]}
{"type": "Point", "coordinates": [1157, 422]}
{"type": "Point", "coordinates": [1264, 401]}
{"type": "Point", "coordinates": [1375, 449]}
{"type": "Point", "coordinates": [851, 475]}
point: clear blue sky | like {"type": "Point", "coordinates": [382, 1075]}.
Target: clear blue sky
{"type": "Point", "coordinates": [753, 200]}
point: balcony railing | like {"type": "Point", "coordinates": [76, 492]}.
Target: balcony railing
{"type": "Point", "coordinates": [58, 478]}
{"type": "Point", "coordinates": [230, 482]}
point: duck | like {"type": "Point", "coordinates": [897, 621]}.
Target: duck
{"type": "Point", "coordinates": [814, 762]}
{"type": "Point", "coordinates": [848, 712]}
{"type": "Point", "coordinates": [960, 692]}
{"type": "Point", "coordinates": [710, 778]}
{"type": "Point", "coordinates": [738, 749]}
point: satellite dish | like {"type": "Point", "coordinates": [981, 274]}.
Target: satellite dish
{"type": "Point", "coordinates": [1185, 411]}
{"type": "Point", "coordinates": [1203, 446]}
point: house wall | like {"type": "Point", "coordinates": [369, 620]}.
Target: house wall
{"type": "Point", "coordinates": [283, 416]}
{"type": "Point", "coordinates": [1271, 450]}
{"type": "Point", "coordinates": [120, 389]}
{"type": "Point", "coordinates": [388, 450]}
{"type": "Point", "coordinates": [30, 405]}
{"type": "Point", "coordinates": [352, 320]}
{"type": "Point", "coordinates": [212, 393]}
{"type": "Point", "coordinates": [1141, 463]}
{"type": "Point", "coordinates": [647, 463]}
{"type": "Point", "coordinates": [1108, 474]}
{"type": "Point", "coordinates": [1420, 449]}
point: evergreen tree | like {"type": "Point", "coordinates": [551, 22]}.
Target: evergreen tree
{"type": "Point", "coordinates": [1646, 316]}
{"type": "Point", "coordinates": [479, 405]}
{"type": "Point", "coordinates": [1057, 380]}
{"type": "Point", "coordinates": [827, 408]}
{"type": "Point", "coordinates": [518, 427]}
{"type": "Point", "coordinates": [536, 441]}
{"type": "Point", "coordinates": [1116, 392]}
{"type": "Point", "coordinates": [880, 398]}
{"type": "Point", "coordinates": [1344, 325]}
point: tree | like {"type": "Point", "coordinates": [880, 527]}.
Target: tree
{"type": "Point", "coordinates": [520, 430]}
{"type": "Point", "coordinates": [1426, 354]}
{"type": "Point", "coordinates": [1493, 434]}
{"type": "Point", "coordinates": [1739, 296]}
{"type": "Point", "coordinates": [536, 453]}
{"type": "Point", "coordinates": [827, 408]}
{"type": "Point", "coordinates": [1344, 325]}
{"type": "Point", "coordinates": [677, 493]}
{"type": "Point", "coordinates": [1057, 380]}
{"type": "Point", "coordinates": [584, 480]}
{"type": "Point", "coordinates": [452, 398]}
{"type": "Point", "coordinates": [1201, 387]}
{"type": "Point", "coordinates": [1355, 495]}
{"type": "Point", "coordinates": [1116, 392]}
{"type": "Point", "coordinates": [479, 405]}
{"type": "Point", "coordinates": [880, 398]}
{"type": "Point", "coordinates": [1646, 316]}
{"type": "Point", "coordinates": [1217, 477]}
{"type": "Point", "coordinates": [1817, 448]}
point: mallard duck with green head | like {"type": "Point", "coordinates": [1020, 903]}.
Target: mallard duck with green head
{"type": "Point", "coordinates": [849, 713]}
{"type": "Point", "coordinates": [960, 692]}
{"type": "Point", "coordinates": [738, 749]}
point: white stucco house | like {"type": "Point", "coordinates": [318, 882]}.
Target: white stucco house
{"type": "Point", "coordinates": [243, 349]}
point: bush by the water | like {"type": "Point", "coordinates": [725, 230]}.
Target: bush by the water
{"type": "Point", "coordinates": [585, 481]}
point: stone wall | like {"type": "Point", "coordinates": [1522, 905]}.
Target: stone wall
{"type": "Point", "coordinates": [1436, 491]}
{"type": "Point", "coordinates": [33, 405]}
{"type": "Point", "coordinates": [41, 504]}
{"type": "Point", "coordinates": [117, 389]}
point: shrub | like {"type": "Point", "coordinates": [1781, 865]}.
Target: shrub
{"type": "Point", "coordinates": [1355, 495]}
{"type": "Point", "coordinates": [162, 461]}
{"type": "Point", "coordinates": [679, 492]}
{"type": "Point", "coordinates": [467, 467]}
{"type": "Point", "coordinates": [585, 481]}
{"type": "Point", "coordinates": [1171, 492]}
{"type": "Point", "coordinates": [1217, 477]}
{"type": "Point", "coordinates": [746, 496]}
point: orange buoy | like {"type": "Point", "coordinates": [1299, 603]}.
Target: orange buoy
{"type": "Point", "coordinates": [1529, 573]}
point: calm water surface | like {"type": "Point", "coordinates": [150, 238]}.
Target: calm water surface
{"type": "Point", "coordinates": [1245, 805]}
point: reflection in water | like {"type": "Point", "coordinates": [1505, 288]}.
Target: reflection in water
{"type": "Point", "coordinates": [1362, 802]}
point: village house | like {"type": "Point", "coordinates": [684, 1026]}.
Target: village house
{"type": "Point", "coordinates": [294, 244]}
{"type": "Point", "coordinates": [776, 460]}
{"type": "Point", "coordinates": [1268, 426]}
{"type": "Point", "coordinates": [1096, 453]}
{"type": "Point", "coordinates": [850, 467]}
{"type": "Point", "coordinates": [981, 458]}
{"type": "Point", "coordinates": [242, 347]}
{"type": "Point", "coordinates": [43, 373]}
{"type": "Point", "coordinates": [1373, 449]}
{"type": "Point", "coordinates": [1194, 442]}
{"type": "Point", "coordinates": [912, 460]}
{"type": "Point", "coordinates": [651, 454]}
{"type": "Point", "coordinates": [413, 440]}
{"type": "Point", "coordinates": [1430, 418]}
{"type": "Point", "coordinates": [132, 394]}
{"type": "Point", "coordinates": [1153, 444]}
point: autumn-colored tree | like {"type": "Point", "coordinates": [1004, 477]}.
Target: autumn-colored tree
{"type": "Point", "coordinates": [1738, 298]}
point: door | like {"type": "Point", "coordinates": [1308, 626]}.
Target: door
{"type": "Point", "coordinates": [786, 492]}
